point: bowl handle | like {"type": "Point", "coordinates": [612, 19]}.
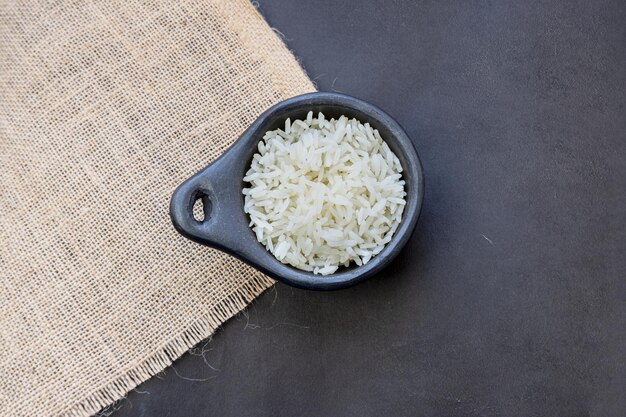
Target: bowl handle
{"type": "Point", "coordinates": [220, 198]}
{"type": "Point", "coordinates": [181, 209]}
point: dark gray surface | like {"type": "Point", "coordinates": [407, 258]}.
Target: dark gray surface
{"type": "Point", "coordinates": [510, 299]}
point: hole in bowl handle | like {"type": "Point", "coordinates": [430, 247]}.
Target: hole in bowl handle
{"type": "Point", "coordinates": [181, 210]}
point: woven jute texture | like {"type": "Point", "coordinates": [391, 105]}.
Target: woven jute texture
{"type": "Point", "coordinates": [105, 107]}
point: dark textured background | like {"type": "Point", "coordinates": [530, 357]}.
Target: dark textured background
{"type": "Point", "coordinates": [510, 299]}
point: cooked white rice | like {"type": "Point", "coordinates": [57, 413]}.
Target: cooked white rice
{"type": "Point", "coordinates": [324, 193]}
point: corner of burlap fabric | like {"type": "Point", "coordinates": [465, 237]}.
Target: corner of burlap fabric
{"type": "Point", "coordinates": [105, 107]}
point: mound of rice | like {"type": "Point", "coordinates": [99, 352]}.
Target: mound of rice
{"type": "Point", "coordinates": [324, 193]}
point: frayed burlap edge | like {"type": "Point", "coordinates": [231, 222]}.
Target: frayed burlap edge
{"type": "Point", "coordinates": [172, 350]}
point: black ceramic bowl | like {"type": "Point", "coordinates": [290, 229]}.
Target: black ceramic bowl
{"type": "Point", "coordinates": [225, 225]}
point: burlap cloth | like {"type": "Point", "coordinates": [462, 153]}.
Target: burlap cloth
{"type": "Point", "coordinates": [104, 108]}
